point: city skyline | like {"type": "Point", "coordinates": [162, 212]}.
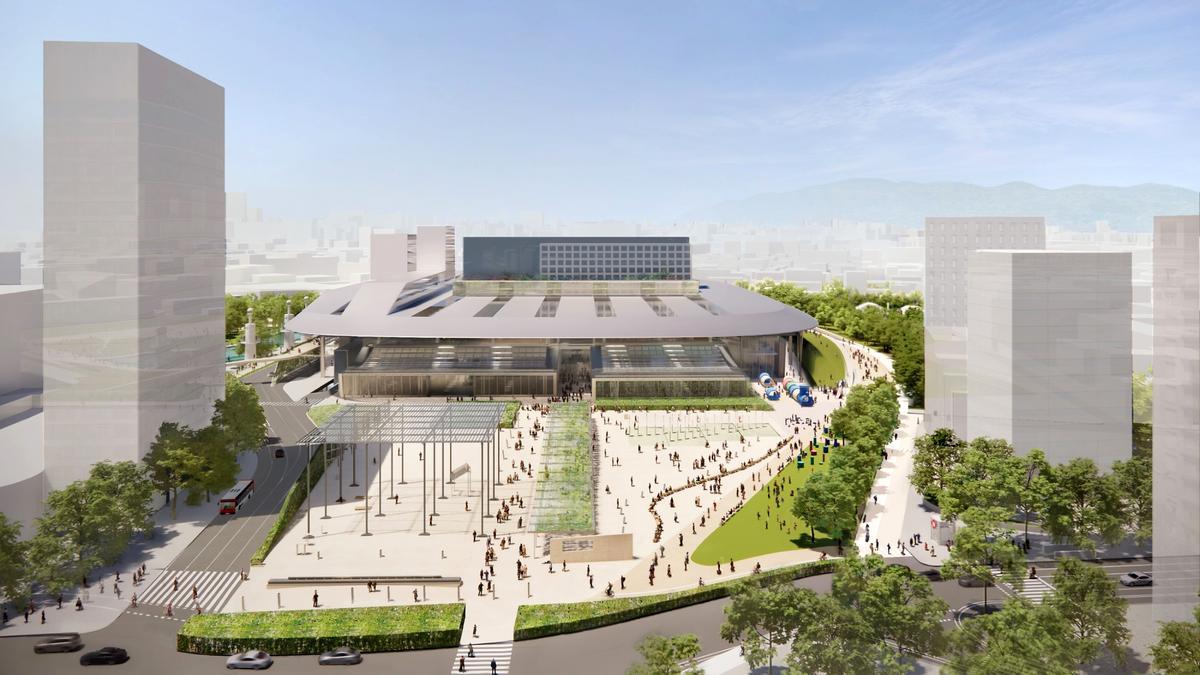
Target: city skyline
{"type": "Point", "coordinates": [580, 113]}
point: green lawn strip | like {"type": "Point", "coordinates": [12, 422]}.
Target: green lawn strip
{"type": "Point", "coordinates": [291, 506]}
{"type": "Point", "coordinates": [565, 499]}
{"type": "Point", "coordinates": [727, 403]}
{"type": "Point", "coordinates": [743, 536]}
{"type": "Point", "coordinates": [320, 414]}
{"type": "Point", "coordinates": [312, 631]}
{"type": "Point", "coordinates": [822, 360]}
{"type": "Point", "coordinates": [535, 621]}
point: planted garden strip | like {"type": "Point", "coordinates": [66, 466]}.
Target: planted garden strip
{"type": "Point", "coordinates": [312, 631]}
{"type": "Point", "coordinates": [566, 482]}
{"type": "Point", "coordinates": [716, 403]}
{"type": "Point", "coordinates": [535, 621]}
{"type": "Point", "coordinates": [291, 506]}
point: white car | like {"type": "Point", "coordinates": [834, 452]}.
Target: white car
{"type": "Point", "coordinates": [254, 659]}
{"type": "Point", "coordinates": [1137, 579]}
{"type": "Point", "coordinates": [342, 656]}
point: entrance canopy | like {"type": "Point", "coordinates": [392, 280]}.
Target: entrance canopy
{"type": "Point", "coordinates": [410, 422]}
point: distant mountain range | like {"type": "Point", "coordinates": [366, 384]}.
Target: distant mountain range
{"type": "Point", "coordinates": [1078, 207]}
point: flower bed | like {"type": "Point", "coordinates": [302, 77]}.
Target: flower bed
{"type": "Point", "coordinates": [727, 403]}
{"type": "Point", "coordinates": [535, 621]}
{"type": "Point", "coordinates": [368, 629]}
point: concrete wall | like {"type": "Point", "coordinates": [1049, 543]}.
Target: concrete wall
{"type": "Point", "coordinates": [134, 230]}
{"type": "Point", "coordinates": [1176, 416]}
{"type": "Point", "coordinates": [1049, 359]}
{"type": "Point", "coordinates": [21, 338]}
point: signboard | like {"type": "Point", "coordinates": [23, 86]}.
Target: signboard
{"type": "Point", "coordinates": [592, 548]}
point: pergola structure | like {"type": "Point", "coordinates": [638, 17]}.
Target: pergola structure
{"type": "Point", "coordinates": [436, 425]}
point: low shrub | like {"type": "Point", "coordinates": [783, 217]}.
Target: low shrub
{"type": "Point", "coordinates": [535, 621]}
{"type": "Point", "coordinates": [291, 506]}
{"type": "Point", "coordinates": [715, 403]}
{"type": "Point", "coordinates": [312, 631]}
{"type": "Point", "coordinates": [508, 420]}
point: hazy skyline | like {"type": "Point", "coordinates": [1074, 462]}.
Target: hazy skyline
{"type": "Point", "coordinates": [626, 111]}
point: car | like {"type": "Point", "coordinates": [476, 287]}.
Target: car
{"type": "Point", "coordinates": [342, 656]}
{"type": "Point", "coordinates": [105, 656]}
{"type": "Point", "coordinates": [255, 659]}
{"type": "Point", "coordinates": [279, 453]}
{"type": "Point", "coordinates": [67, 642]}
{"type": "Point", "coordinates": [1137, 579]}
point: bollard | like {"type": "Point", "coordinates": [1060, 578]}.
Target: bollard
{"type": "Point", "coordinates": [352, 595]}
{"type": "Point", "coordinates": [278, 600]}
{"type": "Point", "coordinates": [389, 592]}
{"type": "Point", "coordinates": [380, 553]}
{"type": "Point", "coordinates": [424, 595]}
{"type": "Point", "coordinates": [493, 591]}
{"type": "Point", "coordinates": [443, 554]}
{"type": "Point", "coordinates": [528, 589]}
{"type": "Point", "coordinates": [318, 554]}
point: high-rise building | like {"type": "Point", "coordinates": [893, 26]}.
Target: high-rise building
{"type": "Point", "coordinates": [948, 241]}
{"type": "Point", "coordinates": [134, 222]}
{"type": "Point", "coordinates": [1176, 416]}
{"type": "Point", "coordinates": [1050, 355]}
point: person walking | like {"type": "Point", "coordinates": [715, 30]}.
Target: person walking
{"type": "Point", "coordinates": [315, 598]}
{"type": "Point", "coordinates": [43, 616]}
{"type": "Point", "coordinates": [493, 666]}
{"type": "Point", "coordinates": [462, 664]}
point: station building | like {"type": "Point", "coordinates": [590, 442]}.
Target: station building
{"type": "Point", "coordinates": [545, 316]}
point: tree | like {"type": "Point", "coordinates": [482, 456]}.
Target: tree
{"type": "Point", "coordinates": [1143, 413]}
{"type": "Point", "coordinates": [897, 603]}
{"type": "Point", "coordinates": [1087, 598]}
{"type": "Point", "coordinates": [1135, 480]}
{"type": "Point", "coordinates": [215, 467]}
{"type": "Point", "coordinates": [761, 618]}
{"type": "Point", "coordinates": [978, 479]}
{"type": "Point", "coordinates": [240, 416]}
{"type": "Point", "coordinates": [937, 453]}
{"type": "Point", "coordinates": [1027, 484]}
{"type": "Point", "coordinates": [80, 530]}
{"type": "Point", "coordinates": [1083, 505]}
{"type": "Point", "coordinates": [981, 545]}
{"type": "Point", "coordinates": [14, 570]}
{"type": "Point", "coordinates": [171, 461]}
{"type": "Point", "coordinates": [1020, 638]}
{"type": "Point", "coordinates": [836, 640]}
{"type": "Point", "coordinates": [130, 485]}
{"type": "Point", "coordinates": [1178, 648]}
{"type": "Point", "coordinates": [826, 503]}
{"type": "Point", "coordinates": [662, 655]}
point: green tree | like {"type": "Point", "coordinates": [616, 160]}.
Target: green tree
{"type": "Point", "coordinates": [937, 454]}
{"type": "Point", "coordinates": [1135, 482]}
{"type": "Point", "coordinates": [1083, 505]}
{"type": "Point", "coordinates": [836, 640]}
{"type": "Point", "coordinates": [1143, 413]}
{"type": "Point", "coordinates": [130, 485]}
{"type": "Point", "coordinates": [662, 655]}
{"type": "Point", "coordinates": [214, 468]}
{"type": "Point", "coordinates": [172, 461]}
{"type": "Point", "coordinates": [86, 522]}
{"type": "Point", "coordinates": [826, 503]}
{"type": "Point", "coordinates": [14, 569]}
{"type": "Point", "coordinates": [1087, 598]}
{"type": "Point", "coordinates": [240, 416]}
{"type": "Point", "coordinates": [897, 603]}
{"type": "Point", "coordinates": [761, 618]}
{"type": "Point", "coordinates": [1177, 651]}
{"type": "Point", "coordinates": [1026, 483]}
{"type": "Point", "coordinates": [979, 478]}
{"type": "Point", "coordinates": [981, 545]}
{"type": "Point", "coordinates": [1020, 638]}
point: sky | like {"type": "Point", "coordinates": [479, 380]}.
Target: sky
{"type": "Point", "coordinates": [448, 111]}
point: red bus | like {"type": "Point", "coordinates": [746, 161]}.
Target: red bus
{"type": "Point", "coordinates": [237, 495]}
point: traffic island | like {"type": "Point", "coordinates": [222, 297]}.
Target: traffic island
{"type": "Point", "coordinates": [301, 632]}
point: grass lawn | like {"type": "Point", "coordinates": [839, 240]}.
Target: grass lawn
{"type": "Point", "coordinates": [822, 360]}
{"type": "Point", "coordinates": [311, 631]}
{"type": "Point", "coordinates": [320, 414]}
{"type": "Point", "coordinates": [743, 535]}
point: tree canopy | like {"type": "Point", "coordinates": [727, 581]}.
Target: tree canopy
{"type": "Point", "coordinates": [661, 655]}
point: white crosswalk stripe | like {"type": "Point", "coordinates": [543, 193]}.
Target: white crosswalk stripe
{"type": "Point", "coordinates": [1034, 590]}
{"type": "Point", "coordinates": [213, 589]}
{"type": "Point", "coordinates": [482, 661]}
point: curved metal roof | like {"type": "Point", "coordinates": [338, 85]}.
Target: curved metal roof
{"type": "Point", "coordinates": [369, 309]}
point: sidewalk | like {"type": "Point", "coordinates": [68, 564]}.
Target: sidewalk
{"type": "Point", "coordinates": [101, 609]}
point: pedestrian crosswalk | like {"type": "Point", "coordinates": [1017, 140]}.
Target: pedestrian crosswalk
{"type": "Point", "coordinates": [1034, 590]}
{"type": "Point", "coordinates": [212, 589]}
{"type": "Point", "coordinates": [501, 652]}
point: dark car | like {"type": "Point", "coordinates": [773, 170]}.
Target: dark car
{"type": "Point", "coordinates": [67, 642]}
{"type": "Point", "coordinates": [105, 656]}
{"type": "Point", "coordinates": [342, 656]}
{"type": "Point", "coordinates": [279, 453]}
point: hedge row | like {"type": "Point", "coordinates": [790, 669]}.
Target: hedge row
{"type": "Point", "coordinates": [535, 621]}
{"type": "Point", "coordinates": [291, 506]}
{"type": "Point", "coordinates": [312, 631]}
{"type": "Point", "coordinates": [714, 403]}
{"type": "Point", "coordinates": [508, 420]}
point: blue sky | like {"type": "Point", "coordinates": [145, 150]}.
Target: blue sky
{"type": "Point", "coordinates": [640, 111]}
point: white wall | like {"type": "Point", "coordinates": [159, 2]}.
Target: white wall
{"type": "Point", "coordinates": [1049, 354]}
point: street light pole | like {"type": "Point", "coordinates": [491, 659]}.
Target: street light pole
{"type": "Point", "coordinates": [424, 517]}
{"type": "Point", "coordinates": [325, 456]}
{"type": "Point", "coordinates": [308, 496]}
{"type": "Point", "coordinates": [379, 448]}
